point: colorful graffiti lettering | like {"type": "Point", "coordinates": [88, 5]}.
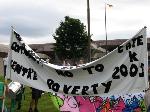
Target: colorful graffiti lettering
{"type": "Point", "coordinates": [88, 104]}
{"type": "Point", "coordinates": [115, 103]}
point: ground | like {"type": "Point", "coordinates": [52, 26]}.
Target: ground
{"type": "Point", "coordinates": [45, 103]}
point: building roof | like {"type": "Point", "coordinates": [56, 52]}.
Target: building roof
{"type": "Point", "coordinates": [48, 47]}
{"type": "Point", "coordinates": [110, 42]}
{"type": "Point", "coordinates": [42, 47]}
{"type": "Point", "coordinates": [113, 42]}
{"type": "Point", "coordinates": [3, 48]}
{"type": "Point", "coordinates": [100, 49]}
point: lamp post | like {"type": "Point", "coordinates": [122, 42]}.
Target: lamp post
{"type": "Point", "coordinates": [89, 37]}
{"type": "Point", "coordinates": [106, 27]}
{"type": "Point", "coordinates": [106, 23]}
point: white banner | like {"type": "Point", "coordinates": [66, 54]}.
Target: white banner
{"type": "Point", "coordinates": [122, 71]}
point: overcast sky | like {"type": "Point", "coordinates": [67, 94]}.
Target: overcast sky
{"type": "Point", "coordinates": [37, 20]}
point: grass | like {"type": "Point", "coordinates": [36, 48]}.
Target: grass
{"type": "Point", "coordinates": [45, 104]}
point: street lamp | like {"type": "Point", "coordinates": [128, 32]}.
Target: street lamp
{"type": "Point", "coordinates": [106, 22]}
{"type": "Point", "coordinates": [89, 37]}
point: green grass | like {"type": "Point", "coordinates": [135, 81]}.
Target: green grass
{"type": "Point", "coordinates": [45, 104]}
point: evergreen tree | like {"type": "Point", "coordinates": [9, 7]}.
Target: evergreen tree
{"type": "Point", "coordinates": [71, 39]}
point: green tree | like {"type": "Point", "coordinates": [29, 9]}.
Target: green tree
{"type": "Point", "coordinates": [71, 39]}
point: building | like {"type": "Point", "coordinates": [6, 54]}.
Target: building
{"type": "Point", "coordinates": [97, 50]}
{"type": "Point", "coordinates": [3, 54]}
{"type": "Point", "coordinates": [112, 44]}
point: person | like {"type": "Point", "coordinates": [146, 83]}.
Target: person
{"type": "Point", "coordinates": [5, 65]}
{"type": "Point", "coordinates": [19, 97]}
{"type": "Point", "coordinates": [147, 97]}
{"type": "Point", "coordinates": [2, 96]}
{"type": "Point", "coordinates": [36, 94]}
{"type": "Point", "coordinates": [66, 63]}
{"type": "Point", "coordinates": [147, 100]}
{"type": "Point", "coordinates": [81, 61]}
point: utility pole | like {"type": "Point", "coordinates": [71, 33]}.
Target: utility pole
{"type": "Point", "coordinates": [89, 37]}
{"type": "Point", "coordinates": [106, 23]}
{"type": "Point", "coordinates": [106, 27]}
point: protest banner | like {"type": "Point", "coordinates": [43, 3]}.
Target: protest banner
{"type": "Point", "coordinates": [124, 70]}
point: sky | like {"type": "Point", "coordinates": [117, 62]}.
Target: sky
{"type": "Point", "coordinates": [37, 20]}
